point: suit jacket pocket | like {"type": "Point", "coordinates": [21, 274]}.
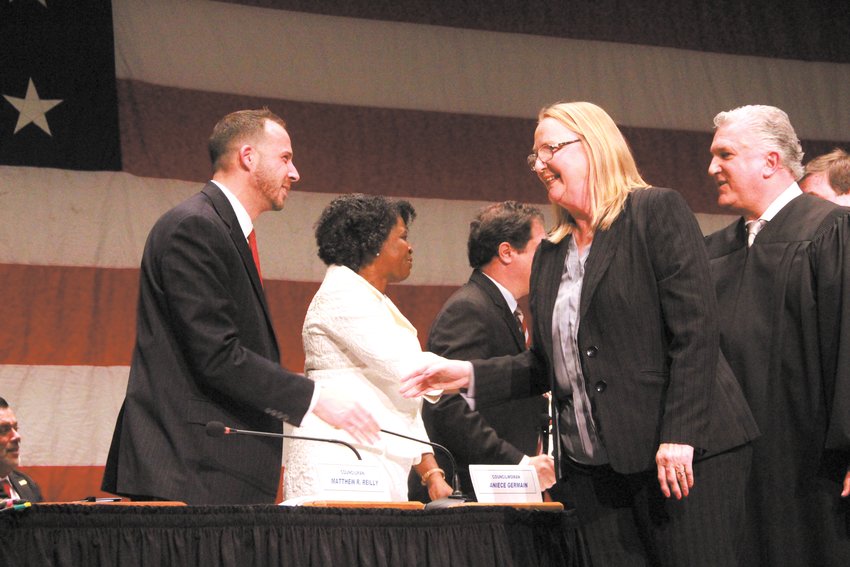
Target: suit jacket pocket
{"type": "Point", "coordinates": [201, 412]}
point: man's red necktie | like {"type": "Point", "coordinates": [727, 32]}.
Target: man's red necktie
{"type": "Point", "coordinates": [7, 488]}
{"type": "Point", "coordinates": [252, 242]}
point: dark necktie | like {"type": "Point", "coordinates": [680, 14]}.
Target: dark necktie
{"type": "Point", "coordinates": [252, 242]}
{"type": "Point", "coordinates": [520, 319]}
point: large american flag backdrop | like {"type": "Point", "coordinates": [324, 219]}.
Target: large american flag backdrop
{"type": "Point", "coordinates": [105, 108]}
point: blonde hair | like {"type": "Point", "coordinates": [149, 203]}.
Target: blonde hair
{"type": "Point", "coordinates": [836, 165]}
{"type": "Point", "coordinates": [612, 172]}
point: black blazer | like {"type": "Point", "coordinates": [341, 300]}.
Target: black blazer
{"type": "Point", "coordinates": [648, 337]}
{"type": "Point", "coordinates": [25, 486]}
{"type": "Point", "coordinates": [474, 323]}
{"type": "Point", "coordinates": [205, 350]}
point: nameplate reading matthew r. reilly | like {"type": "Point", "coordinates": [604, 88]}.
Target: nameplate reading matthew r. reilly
{"type": "Point", "coordinates": [358, 482]}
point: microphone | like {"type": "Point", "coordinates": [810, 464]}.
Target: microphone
{"type": "Point", "coordinates": [456, 496]}
{"type": "Point", "coordinates": [218, 429]}
{"type": "Point", "coordinates": [545, 425]}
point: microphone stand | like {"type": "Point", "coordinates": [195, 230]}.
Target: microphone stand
{"type": "Point", "coordinates": [217, 429]}
{"type": "Point", "coordinates": [456, 497]}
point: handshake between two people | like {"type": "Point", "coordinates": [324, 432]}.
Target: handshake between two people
{"type": "Point", "coordinates": [446, 375]}
{"type": "Point", "coordinates": [342, 412]}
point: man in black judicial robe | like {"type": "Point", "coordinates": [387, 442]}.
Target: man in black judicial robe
{"type": "Point", "coordinates": [784, 302]}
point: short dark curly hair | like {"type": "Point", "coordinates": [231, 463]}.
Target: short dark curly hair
{"type": "Point", "coordinates": [353, 228]}
{"type": "Point", "coordinates": [507, 221]}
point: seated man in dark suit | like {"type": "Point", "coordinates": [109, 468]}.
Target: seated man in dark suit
{"type": "Point", "coordinates": [482, 320]}
{"type": "Point", "coordinates": [14, 484]}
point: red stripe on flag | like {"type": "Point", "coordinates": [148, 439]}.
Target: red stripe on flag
{"type": "Point", "coordinates": [66, 483]}
{"type": "Point", "coordinates": [59, 315]}
{"type": "Point", "coordinates": [71, 484]}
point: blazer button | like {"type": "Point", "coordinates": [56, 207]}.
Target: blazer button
{"type": "Point", "coordinates": [591, 352]}
{"type": "Point", "coordinates": [601, 386]}
{"type": "Point", "coordinates": [284, 417]}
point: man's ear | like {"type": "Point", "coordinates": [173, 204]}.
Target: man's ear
{"type": "Point", "coordinates": [246, 157]}
{"type": "Point", "coordinates": [772, 164]}
{"type": "Point", "coordinates": [506, 252]}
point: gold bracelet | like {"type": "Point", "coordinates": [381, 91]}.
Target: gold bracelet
{"type": "Point", "coordinates": [429, 473]}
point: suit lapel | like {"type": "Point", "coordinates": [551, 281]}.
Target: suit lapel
{"type": "Point", "coordinates": [241, 244]}
{"type": "Point", "coordinates": [21, 486]}
{"type": "Point", "coordinates": [551, 259]}
{"type": "Point", "coordinates": [495, 295]}
{"type": "Point", "coordinates": [601, 252]}
{"type": "Point", "coordinates": [546, 274]}
{"type": "Point", "coordinates": [224, 209]}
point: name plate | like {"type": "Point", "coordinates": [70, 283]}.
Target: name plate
{"type": "Point", "coordinates": [357, 482]}
{"type": "Point", "coordinates": [496, 484]}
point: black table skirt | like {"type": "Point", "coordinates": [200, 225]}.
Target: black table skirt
{"type": "Point", "coordinates": [238, 536]}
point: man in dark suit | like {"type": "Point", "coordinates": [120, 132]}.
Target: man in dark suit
{"type": "Point", "coordinates": [205, 347]}
{"type": "Point", "coordinates": [782, 277]}
{"type": "Point", "coordinates": [14, 485]}
{"type": "Point", "coordinates": [479, 321]}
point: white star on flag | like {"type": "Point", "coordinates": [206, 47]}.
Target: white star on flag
{"type": "Point", "coordinates": [32, 109]}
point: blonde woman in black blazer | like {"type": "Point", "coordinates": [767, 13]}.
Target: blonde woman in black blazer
{"type": "Point", "coordinates": [654, 430]}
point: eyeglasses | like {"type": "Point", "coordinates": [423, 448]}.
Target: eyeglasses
{"type": "Point", "coordinates": [545, 152]}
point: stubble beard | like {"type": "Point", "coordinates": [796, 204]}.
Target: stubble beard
{"type": "Point", "coordinates": [271, 188]}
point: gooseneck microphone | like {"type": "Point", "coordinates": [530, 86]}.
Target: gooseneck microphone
{"type": "Point", "coordinates": [545, 427]}
{"type": "Point", "coordinates": [456, 496]}
{"type": "Point", "coordinates": [218, 429]}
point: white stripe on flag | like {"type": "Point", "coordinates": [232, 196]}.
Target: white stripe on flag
{"type": "Point", "coordinates": [305, 57]}
{"type": "Point", "coordinates": [66, 413]}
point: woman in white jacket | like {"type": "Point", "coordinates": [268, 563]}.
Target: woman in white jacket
{"type": "Point", "coordinates": [357, 341]}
